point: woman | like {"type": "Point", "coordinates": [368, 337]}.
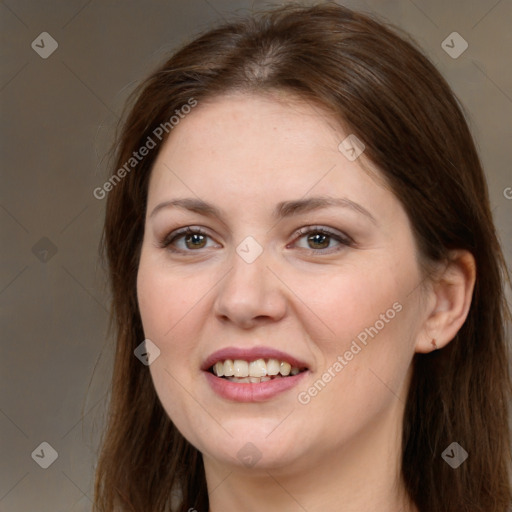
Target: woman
{"type": "Point", "coordinates": [303, 260]}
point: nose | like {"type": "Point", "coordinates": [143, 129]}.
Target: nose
{"type": "Point", "coordinates": [250, 294]}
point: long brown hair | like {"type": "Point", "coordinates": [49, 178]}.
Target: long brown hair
{"type": "Point", "coordinates": [386, 91]}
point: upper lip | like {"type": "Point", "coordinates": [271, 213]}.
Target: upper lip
{"type": "Point", "coordinates": [251, 354]}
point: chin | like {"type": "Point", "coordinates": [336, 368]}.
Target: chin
{"type": "Point", "coordinates": [254, 448]}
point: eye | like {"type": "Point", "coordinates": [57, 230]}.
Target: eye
{"type": "Point", "coordinates": [319, 239]}
{"type": "Point", "coordinates": [192, 238]}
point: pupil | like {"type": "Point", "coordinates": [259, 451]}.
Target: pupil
{"type": "Point", "coordinates": [315, 239]}
{"type": "Point", "coordinates": [194, 238]}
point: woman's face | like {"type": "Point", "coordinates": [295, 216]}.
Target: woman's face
{"type": "Point", "coordinates": [339, 299]}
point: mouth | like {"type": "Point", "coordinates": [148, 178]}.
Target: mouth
{"type": "Point", "coordinates": [254, 372]}
{"type": "Point", "coordinates": [252, 375]}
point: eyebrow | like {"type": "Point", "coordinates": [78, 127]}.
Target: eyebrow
{"type": "Point", "coordinates": [282, 210]}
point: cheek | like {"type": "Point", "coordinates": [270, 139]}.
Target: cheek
{"type": "Point", "coordinates": [168, 320]}
{"type": "Point", "coordinates": [348, 301]}
{"type": "Point", "coordinates": [369, 319]}
{"type": "Point", "coordinates": [164, 298]}
{"type": "Point", "coordinates": [165, 313]}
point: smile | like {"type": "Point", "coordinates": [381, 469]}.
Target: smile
{"type": "Point", "coordinates": [252, 375]}
{"type": "Point", "coordinates": [257, 371]}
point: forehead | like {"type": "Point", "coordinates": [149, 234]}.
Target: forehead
{"type": "Point", "coordinates": [247, 124]}
{"type": "Point", "coordinates": [256, 149]}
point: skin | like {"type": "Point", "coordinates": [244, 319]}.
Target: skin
{"type": "Point", "coordinates": [245, 153]}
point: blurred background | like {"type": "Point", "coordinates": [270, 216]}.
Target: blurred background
{"type": "Point", "coordinates": [67, 68]}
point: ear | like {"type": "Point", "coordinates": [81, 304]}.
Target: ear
{"type": "Point", "coordinates": [448, 302]}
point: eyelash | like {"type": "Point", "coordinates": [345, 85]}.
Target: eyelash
{"type": "Point", "coordinates": [344, 240]}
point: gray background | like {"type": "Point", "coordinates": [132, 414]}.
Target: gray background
{"type": "Point", "coordinates": [58, 116]}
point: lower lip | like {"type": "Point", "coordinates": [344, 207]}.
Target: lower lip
{"type": "Point", "coordinates": [252, 392]}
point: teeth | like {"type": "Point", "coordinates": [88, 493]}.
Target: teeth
{"type": "Point", "coordinates": [258, 368]}
{"type": "Point", "coordinates": [273, 367]}
{"type": "Point", "coordinates": [218, 369]}
{"type": "Point", "coordinates": [229, 368]}
{"type": "Point", "coordinates": [254, 371]}
{"type": "Point", "coordinates": [285, 368]}
{"type": "Point", "coordinates": [252, 380]}
{"type": "Point", "coordinates": [241, 368]}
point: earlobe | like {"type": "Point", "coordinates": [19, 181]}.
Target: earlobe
{"type": "Point", "coordinates": [451, 294]}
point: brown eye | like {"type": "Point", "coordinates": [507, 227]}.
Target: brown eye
{"type": "Point", "coordinates": [196, 241]}
{"type": "Point", "coordinates": [319, 239]}
{"type": "Point", "coordinates": [186, 240]}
